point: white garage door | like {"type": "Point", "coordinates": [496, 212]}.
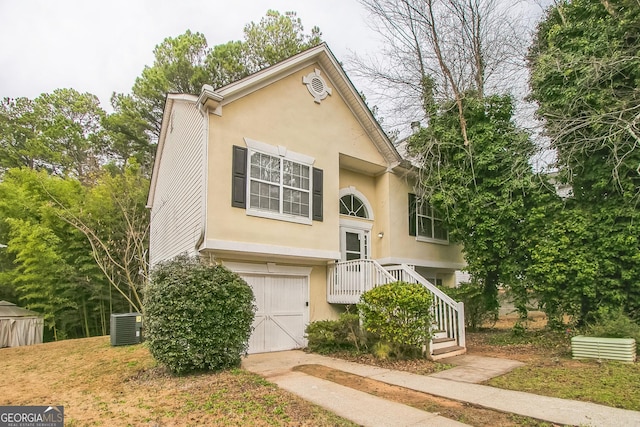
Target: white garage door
{"type": "Point", "coordinates": [281, 313]}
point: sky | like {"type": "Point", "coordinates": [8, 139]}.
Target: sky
{"type": "Point", "coordinates": [101, 47]}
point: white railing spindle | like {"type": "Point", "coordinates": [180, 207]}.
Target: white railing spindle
{"type": "Point", "coordinates": [348, 280]}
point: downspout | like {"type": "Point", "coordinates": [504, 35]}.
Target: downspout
{"type": "Point", "coordinates": [205, 175]}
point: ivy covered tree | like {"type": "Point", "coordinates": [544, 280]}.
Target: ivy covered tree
{"type": "Point", "coordinates": [452, 64]}
{"type": "Point", "coordinates": [585, 70]}
{"type": "Point", "coordinates": [482, 190]}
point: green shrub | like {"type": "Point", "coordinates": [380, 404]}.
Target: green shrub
{"type": "Point", "coordinates": [329, 336]}
{"type": "Point", "coordinates": [382, 350]}
{"type": "Point", "coordinates": [614, 324]}
{"type": "Point", "coordinates": [398, 314]}
{"type": "Point", "coordinates": [477, 308]}
{"type": "Point", "coordinates": [197, 316]}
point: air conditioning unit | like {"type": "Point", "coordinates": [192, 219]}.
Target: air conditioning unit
{"type": "Point", "coordinates": [126, 328]}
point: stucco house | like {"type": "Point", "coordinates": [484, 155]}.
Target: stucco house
{"type": "Point", "coordinates": [286, 178]}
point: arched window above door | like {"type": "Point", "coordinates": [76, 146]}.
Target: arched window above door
{"type": "Point", "coordinates": [354, 204]}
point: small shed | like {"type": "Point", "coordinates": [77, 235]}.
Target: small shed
{"type": "Point", "coordinates": [19, 326]}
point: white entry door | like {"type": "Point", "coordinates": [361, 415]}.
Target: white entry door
{"type": "Point", "coordinates": [354, 243]}
{"type": "Point", "coordinates": [282, 312]}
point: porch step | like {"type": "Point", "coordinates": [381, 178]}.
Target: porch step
{"type": "Point", "coordinates": [445, 342]}
{"type": "Point", "coordinates": [445, 352]}
{"type": "Point", "coordinates": [439, 334]}
{"type": "Point", "coordinates": [443, 339]}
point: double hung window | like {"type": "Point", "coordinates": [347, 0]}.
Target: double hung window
{"type": "Point", "coordinates": [425, 223]}
{"type": "Point", "coordinates": [429, 224]}
{"type": "Point", "coordinates": [279, 185]}
{"type": "Point", "coordinates": [274, 182]}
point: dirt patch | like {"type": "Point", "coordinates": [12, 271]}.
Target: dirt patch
{"type": "Point", "coordinates": [459, 411]}
{"type": "Point", "coordinates": [415, 366]}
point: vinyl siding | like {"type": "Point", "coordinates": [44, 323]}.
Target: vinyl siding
{"type": "Point", "coordinates": [177, 216]}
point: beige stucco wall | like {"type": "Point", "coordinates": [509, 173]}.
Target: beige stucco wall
{"type": "Point", "coordinates": [388, 194]}
{"type": "Point", "coordinates": [283, 113]}
{"type": "Point", "coordinates": [401, 244]}
{"type": "Point", "coordinates": [319, 308]}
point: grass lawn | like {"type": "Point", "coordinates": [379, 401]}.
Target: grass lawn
{"type": "Point", "coordinates": [121, 386]}
{"type": "Point", "coordinates": [609, 383]}
{"type": "Point", "coordinates": [551, 371]}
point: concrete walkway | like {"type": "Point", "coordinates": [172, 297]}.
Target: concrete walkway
{"type": "Point", "coordinates": [369, 410]}
{"type": "Point", "coordinates": [475, 369]}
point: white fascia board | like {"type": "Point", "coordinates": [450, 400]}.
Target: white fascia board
{"type": "Point", "coordinates": [271, 74]}
{"type": "Point", "coordinates": [270, 250]}
{"type": "Point", "coordinates": [422, 263]}
{"type": "Point", "coordinates": [210, 100]}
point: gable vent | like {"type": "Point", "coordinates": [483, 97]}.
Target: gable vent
{"type": "Point", "coordinates": [316, 85]}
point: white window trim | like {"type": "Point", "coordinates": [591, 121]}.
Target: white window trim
{"type": "Point", "coordinates": [279, 151]}
{"type": "Point", "coordinates": [286, 154]}
{"type": "Point", "coordinates": [432, 240]}
{"type": "Point", "coordinates": [363, 224]}
{"type": "Point", "coordinates": [365, 244]}
{"type": "Point", "coordinates": [352, 191]}
{"type": "Point", "coordinates": [420, 238]}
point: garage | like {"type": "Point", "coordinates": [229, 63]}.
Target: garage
{"type": "Point", "coordinates": [282, 311]}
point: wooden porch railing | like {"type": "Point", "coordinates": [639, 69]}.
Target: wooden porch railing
{"type": "Point", "coordinates": [348, 280]}
{"type": "Point", "coordinates": [448, 314]}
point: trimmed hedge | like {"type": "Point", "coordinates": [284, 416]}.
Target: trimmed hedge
{"type": "Point", "coordinates": [197, 316]}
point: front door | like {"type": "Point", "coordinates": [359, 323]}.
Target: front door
{"type": "Point", "coordinates": [354, 243]}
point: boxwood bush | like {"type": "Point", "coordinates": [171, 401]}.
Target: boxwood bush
{"type": "Point", "coordinates": [399, 314]}
{"type": "Point", "coordinates": [197, 316]}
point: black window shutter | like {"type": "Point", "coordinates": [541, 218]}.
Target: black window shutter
{"type": "Point", "coordinates": [317, 194]}
{"type": "Point", "coordinates": [412, 214]}
{"type": "Point", "coordinates": [239, 179]}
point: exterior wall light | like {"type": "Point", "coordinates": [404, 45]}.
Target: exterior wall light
{"type": "Point", "coordinates": [381, 234]}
